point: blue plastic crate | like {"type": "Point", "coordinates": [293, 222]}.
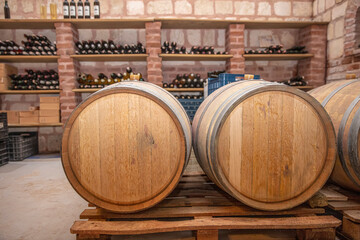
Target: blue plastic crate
{"type": "Point", "coordinates": [191, 106]}
{"type": "Point", "coordinates": [223, 79]}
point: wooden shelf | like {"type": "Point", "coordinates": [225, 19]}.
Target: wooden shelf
{"type": "Point", "coordinates": [276, 57]}
{"type": "Point", "coordinates": [29, 59]}
{"type": "Point", "coordinates": [86, 90]}
{"type": "Point", "coordinates": [195, 57]}
{"type": "Point", "coordinates": [37, 125]}
{"type": "Point", "coordinates": [29, 91]}
{"type": "Point", "coordinates": [110, 57]}
{"type": "Point", "coordinates": [167, 23]}
{"type": "Point", "coordinates": [184, 89]}
{"type": "Point", "coordinates": [192, 23]}
{"type": "Point", "coordinates": [79, 23]}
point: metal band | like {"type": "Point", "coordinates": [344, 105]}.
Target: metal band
{"type": "Point", "coordinates": [353, 144]}
{"type": "Point", "coordinates": [328, 97]}
{"type": "Point", "coordinates": [341, 135]}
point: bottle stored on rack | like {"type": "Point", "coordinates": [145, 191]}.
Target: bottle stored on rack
{"type": "Point", "coordinates": [87, 9]}
{"type": "Point", "coordinates": [6, 10]}
{"type": "Point", "coordinates": [80, 9]}
{"type": "Point", "coordinates": [66, 9]}
{"type": "Point", "coordinates": [35, 80]}
{"type": "Point", "coordinates": [72, 9]}
{"type": "Point", "coordinates": [96, 9]}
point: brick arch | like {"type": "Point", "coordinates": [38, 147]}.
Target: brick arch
{"type": "Point", "coordinates": [352, 19]}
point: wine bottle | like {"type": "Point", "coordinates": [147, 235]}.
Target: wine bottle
{"type": "Point", "coordinates": [6, 10]}
{"type": "Point", "coordinates": [66, 7]}
{"type": "Point", "coordinates": [87, 9]}
{"type": "Point", "coordinates": [96, 9]}
{"type": "Point", "coordinates": [80, 8]}
{"type": "Point", "coordinates": [72, 9]}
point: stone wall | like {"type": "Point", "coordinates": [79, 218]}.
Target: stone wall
{"type": "Point", "coordinates": [343, 56]}
{"type": "Point", "coordinates": [281, 10]}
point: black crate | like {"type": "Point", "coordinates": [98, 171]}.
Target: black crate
{"type": "Point", "coordinates": [22, 145]}
{"type": "Point", "coordinates": [4, 155]}
{"type": "Point", "coordinates": [3, 126]}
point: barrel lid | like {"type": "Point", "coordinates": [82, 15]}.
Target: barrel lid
{"type": "Point", "coordinates": [273, 147]}
{"type": "Point", "coordinates": [123, 149]}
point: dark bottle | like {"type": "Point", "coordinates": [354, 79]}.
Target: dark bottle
{"type": "Point", "coordinates": [72, 9]}
{"type": "Point", "coordinates": [96, 9]}
{"type": "Point", "coordinates": [6, 10]}
{"type": "Point", "coordinates": [66, 7]}
{"type": "Point", "coordinates": [87, 9]}
{"type": "Point", "coordinates": [165, 85]}
{"type": "Point", "coordinates": [80, 9]}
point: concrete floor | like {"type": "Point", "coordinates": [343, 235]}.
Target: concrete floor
{"type": "Point", "coordinates": [38, 202]}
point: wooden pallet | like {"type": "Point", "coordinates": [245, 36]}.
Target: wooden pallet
{"type": "Point", "coordinates": [198, 205]}
{"type": "Point", "coordinates": [346, 205]}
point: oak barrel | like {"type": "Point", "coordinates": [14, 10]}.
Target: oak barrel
{"type": "Point", "coordinates": [341, 99]}
{"type": "Point", "coordinates": [125, 147]}
{"type": "Point", "coordinates": [266, 144]}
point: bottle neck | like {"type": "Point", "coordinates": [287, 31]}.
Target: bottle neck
{"type": "Point", "coordinates": [6, 3]}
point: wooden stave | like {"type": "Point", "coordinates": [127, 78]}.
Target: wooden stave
{"type": "Point", "coordinates": [324, 175]}
{"type": "Point", "coordinates": [185, 128]}
{"type": "Point", "coordinates": [347, 170]}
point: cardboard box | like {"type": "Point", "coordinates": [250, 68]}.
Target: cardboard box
{"type": "Point", "coordinates": [49, 119]}
{"type": "Point", "coordinates": [29, 120]}
{"type": "Point", "coordinates": [49, 99]}
{"type": "Point", "coordinates": [49, 106]}
{"type": "Point", "coordinates": [5, 71]}
{"type": "Point", "coordinates": [32, 108]}
{"type": "Point", "coordinates": [49, 113]}
{"type": "Point", "coordinates": [12, 117]}
{"type": "Point", "coordinates": [26, 114]}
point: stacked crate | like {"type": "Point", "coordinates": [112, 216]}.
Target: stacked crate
{"type": "Point", "coordinates": [5, 71]}
{"type": "Point", "coordinates": [4, 159]}
{"type": "Point", "coordinates": [49, 110]}
{"type": "Point", "coordinates": [22, 145]}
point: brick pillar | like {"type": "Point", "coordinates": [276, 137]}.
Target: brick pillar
{"type": "Point", "coordinates": [66, 35]}
{"type": "Point", "coordinates": [234, 44]}
{"type": "Point", "coordinates": [314, 69]}
{"type": "Point", "coordinates": [153, 48]}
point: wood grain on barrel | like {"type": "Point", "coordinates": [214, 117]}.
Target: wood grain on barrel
{"type": "Point", "coordinates": [124, 150]}
{"type": "Point", "coordinates": [339, 99]}
{"type": "Point", "coordinates": [265, 144]}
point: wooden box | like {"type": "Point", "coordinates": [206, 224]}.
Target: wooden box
{"type": "Point", "coordinates": [49, 119]}
{"type": "Point", "coordinates": [49, 106]}
{"type": "Point", "coordinates": [49, 99]}
{"type": "Point", "coordinates": [5, 71]}
{"type": "Point", "coordinates": [29, 120]}
{"type": "Point", "coordinates": [49, 113]}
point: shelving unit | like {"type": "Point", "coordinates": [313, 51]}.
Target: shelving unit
{"type": "Point", "coordinates": [276, 57]}
{"type": "Point", "coordinates": [110, 57]}
{"type": "Point", "coordinates": [28, 59]}
{"type": "Point", "coordinates": [195, 57]}
{"type": "Point", "coordinates": [37, 125]}
{"type": "Point", "coordinates": [29, 91]}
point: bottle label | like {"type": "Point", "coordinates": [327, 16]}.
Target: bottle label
{"type": "Point", "coordinates": [66, 10]}
{"type": "Point", "coordinates": [72, 11]}
{"type": "Point", "coordinates": [96, 10]}
{"type": "Point", "coordinates": [87, 10]}
{"type": "Point", "coordinates": [80, 11]}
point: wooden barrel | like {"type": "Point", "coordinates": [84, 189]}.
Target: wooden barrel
{"type": "Point", "coordinates": [341, 99]}
{"type": "Point", "coordinates": [124, 148]}
{"type": "Point", "coordinates": [266, 144]}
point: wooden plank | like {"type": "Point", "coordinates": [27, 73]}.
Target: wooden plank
{"type": "Point", "coordinates": [333, 195]}
{"type": "Point", "coordinates": [86, 90]}
{"type": "Point", "coordinates": [29, 91]}
{"type": "Point", "coordinates": [184, 89]}
{"type": "Point", "coordinates": [110, 57]}
{"type": "Point", "coordinates": [197, 178]}
{"type": "Point", "coordinates": [29, 59]}
{"type": "Point", "coordinates": [109, 23]}
{"type": "Point", "coordinates": [276, 57]}
{"type": "Point", "coordinates": [176, 23]}
{"type": "Point", "coordinates": [351, 229]}
{"type": "Point", "coordinates": [197, 185]}
{"type": "Point", "coordinates": [154, 226]}
{"type": "Point", "coordinates": [157, 212]}
{"type": "Point", "coordinates": [322, 233]}
{"type": "Point", "coordinates": [27, 23]}
{"type": "Point", "coordinates": [353, 215]}
{"type": "Point", "coordinates": [348, 205]}
{"type": "Point", "coordinates": [37, 125]}
{"type": "Point", "coordinates": [195, 57]}
{"type": "Point", "coordinates": [196, 193]}
{"type": "Point", "coordinates": [207, 234]}
{"type": "Point", "coordinates": [202, 201]}
{"type": "Point", "coordinates": [262, 235]}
